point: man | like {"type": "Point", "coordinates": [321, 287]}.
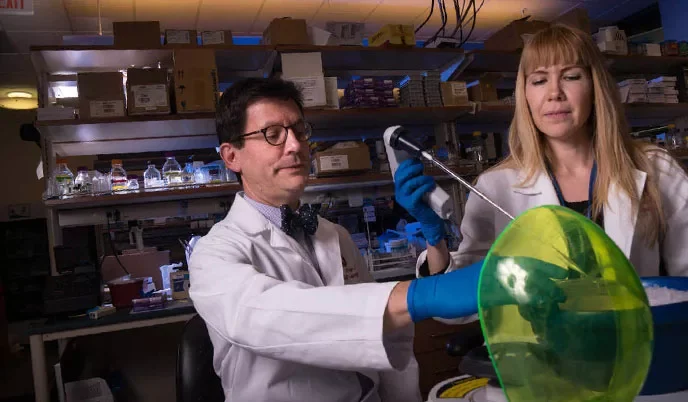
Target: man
{"type": "Point", "coordinates": [270, 282]}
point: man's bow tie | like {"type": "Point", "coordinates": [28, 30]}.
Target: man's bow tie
{"type": "Point", "coordinates": [306, 218]}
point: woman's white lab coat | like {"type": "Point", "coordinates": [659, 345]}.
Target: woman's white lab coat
{"type": "Point", "coordinates": [481, 223]}
{"type": "Point", "coordinates": [280, 331]}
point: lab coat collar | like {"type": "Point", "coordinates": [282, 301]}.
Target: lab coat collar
{"type": "Point", "coordinates": [246, 217]}
{"type": "Point", "coordinates": [540, 185]}
{"type": "Point", "coordinates": [327, 252]}
{"type": "Point", "coordinates": [325, 239]}
{"type": "Point", "coordinates": [619, 216]}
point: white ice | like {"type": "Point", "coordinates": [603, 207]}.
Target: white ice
{"type": "Point", "coordinates": [659, 296]}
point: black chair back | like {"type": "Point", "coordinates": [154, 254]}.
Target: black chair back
{"type": "Point", "coordinates": [196, 379]}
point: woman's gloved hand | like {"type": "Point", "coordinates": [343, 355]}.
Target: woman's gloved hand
{"type": "Point", "coordinates": [523, 281]}
{"type": "Point", "coordinates": [409, 187]}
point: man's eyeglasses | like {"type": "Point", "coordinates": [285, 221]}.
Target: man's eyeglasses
{"type": "Point", "coordinates": [277, 134]}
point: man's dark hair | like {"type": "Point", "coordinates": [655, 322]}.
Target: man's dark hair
{"type": "Point", "coordinates": [230, 119]}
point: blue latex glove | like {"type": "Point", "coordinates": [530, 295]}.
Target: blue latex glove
{"type": "Point", "coordinates": [409, 187]}
{"type": "Point", "coordinates": [526, 282]}
{"type": "Point", "coordinates": [450, 295]}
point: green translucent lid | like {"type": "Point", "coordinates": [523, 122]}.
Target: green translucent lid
{"type": "Point", "coordinates": [564, 314]}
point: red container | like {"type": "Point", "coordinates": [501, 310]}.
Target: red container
{"type": "Point", "coordinates": [124, 290]}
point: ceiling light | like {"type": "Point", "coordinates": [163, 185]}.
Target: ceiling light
{"type": "Point", "coordinates": [19, 94]}
{"type": "Point", "coordinates": [18, 103]}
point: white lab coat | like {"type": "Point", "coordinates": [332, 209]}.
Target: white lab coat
{"type": "Point", "coordinates": [482, 223]}
{"type": "Point", "coordinates": [280, 332]}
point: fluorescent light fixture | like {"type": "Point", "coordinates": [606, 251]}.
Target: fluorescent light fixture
{"type": "Point", "coordinates": [19, 94]}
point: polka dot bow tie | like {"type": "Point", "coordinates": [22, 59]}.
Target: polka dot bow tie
{"type": "Point", "coordinates": [306, 219]}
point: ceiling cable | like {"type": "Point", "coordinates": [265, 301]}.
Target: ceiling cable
{"type": "Point", "coordinates": [100, 22]}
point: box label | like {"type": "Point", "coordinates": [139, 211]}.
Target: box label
{"type": "Point", "coordinates": [213, 38]}
{"type": "Point", "coordinates": [106, 108]}
{"type": "Point", "coordinates": [149, 97]}
{"type": "Point", "coordinates": [178, 37]}
{"type": "Point", "coordinates": [459, 90]}
{"type": "Point", "coordinates": [335, 162]}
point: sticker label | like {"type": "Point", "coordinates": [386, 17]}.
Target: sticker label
{"type": "Point", "coordinates": [369, 213]}
{"type": "Point", "coordinates": [178, 37]}
{"type": "Point", "coordinates": [336, 162]}
{"type": "Point", "coordinates": [459, 90]}
{"type": "Point", "coordinates": [106, 108]}
{"type": "Point", "coordinates": [213, 38]}
{"type": "Point", "coordinates": [149, 97]}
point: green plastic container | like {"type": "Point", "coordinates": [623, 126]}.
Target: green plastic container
{"type": "Point", "coordinates": [563, 312]}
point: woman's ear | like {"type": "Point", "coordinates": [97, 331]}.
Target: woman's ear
{"type": "Point", "coordinates": [230, 155]}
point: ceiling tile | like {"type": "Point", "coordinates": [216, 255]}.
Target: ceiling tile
{"type": "Point", "coordinates": [83, 14]}
{"type": "Point", "coordinates": [22, 41]}
{"type": "Point", "coordinates": [48, 16]}
{"type": "Point", "coordinates": [172, 14]}
{"type": "Point", "coordinates": [220, 14]}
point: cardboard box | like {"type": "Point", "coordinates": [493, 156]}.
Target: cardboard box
{"type": "Point", "coordinates": [148, 91]}
{"type": "Point", "coordinates": [136, 34]}
{"type": "Point", "coordinates": [195, 80]}
{"type": "Point", "coordinates": [509, 38]}
{"type": "Point", "coordinates": [216, 38]}
{"type": "Point", "coordinates": [346, 33]}
{"type": "Point", "coordinates": [484, 90]}
{"type": "Point", "coordinates": [179, 281]}
{"type": "Point", "coordinates": [454, 93]}
{"type": "Point", "coordinates": [181, 37]}
{"type": "Point", "coordinates": [101, 95]}
{"type": "Point", "coordinates": [342, 158]}
{"type": "Point", "coordinates": [312, 89]}
{"type": "Point", "coordinates": [286, 31]}
{"type": "Point", "coordinates": [301, 64]}
{"type": "Point", "coordinates": [576, 18]}
{"type": "Point", "coordinates": [394, 34]}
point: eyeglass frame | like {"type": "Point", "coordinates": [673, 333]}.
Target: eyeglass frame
{"type": "Point", "coordinates": [264, 130]}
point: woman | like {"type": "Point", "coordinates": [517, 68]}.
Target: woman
{"type": "Point", "coordinates": [569, 145]}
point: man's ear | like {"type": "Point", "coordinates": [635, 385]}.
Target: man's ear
{"type": "Point", "coordinates": [230, 155]}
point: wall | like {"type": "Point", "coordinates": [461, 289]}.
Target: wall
{"type": "Point", "coordinates": [18, 162]}
{"type": "Point", "coordinates": [673, 19]}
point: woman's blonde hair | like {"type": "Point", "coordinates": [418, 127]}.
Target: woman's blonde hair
{"type": "Point", "coordinates": [615, 151]}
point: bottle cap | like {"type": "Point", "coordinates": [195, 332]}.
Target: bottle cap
{"type": "Point", "coordinates": [61, 160]}
{"type": "Point", "coordinates": [132, 177]}
{"type": "Point", "coordinates": [116, 161]}
{"type": "Point", "coordinates": [82, 169]}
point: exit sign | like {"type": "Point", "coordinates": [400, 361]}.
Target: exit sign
{"type": "Point", "coordinates": [16, 7]}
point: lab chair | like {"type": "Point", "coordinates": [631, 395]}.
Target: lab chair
{"type": "Point", "coordinates": [196, 379]}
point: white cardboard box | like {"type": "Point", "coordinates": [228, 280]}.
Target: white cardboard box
{"type": "Point", "coordinates": [312, 88]}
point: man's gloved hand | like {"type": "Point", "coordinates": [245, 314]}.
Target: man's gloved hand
{"type": "Point", "coordinates": [409, 187]}
{"type": "Point", "coordinates": [517, 280]}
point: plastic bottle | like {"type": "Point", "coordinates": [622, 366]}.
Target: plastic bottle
{"type": "Point", "coordinates": [118, 176]}
{"type": "Point", "coordinates": [64, 178]}
{"type": "Point", "coordinates": [477, 148]}
{"type": "Point", "coordinates": [152, 177]}
{"type": "Point", "coordinates": [188, 172]}
{"type": "Point", "coordinates": [132, 182]}
{"type": "Point", "coordinates": [171, 171]}
{"type": "Point", "coordinates": [83, 182]}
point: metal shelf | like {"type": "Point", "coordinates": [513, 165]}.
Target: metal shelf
{"type": "Point", "coordinates": [131, 134]}
{"type": "Point", "coordinates": [232, 61]}
{"type": "Point", "coordinates": [344, 61]}
{"type": "Point", "coordinates": [477, 62]}
{"type": "Point", "coordinates": [382, 117]}
{"type": "Point", "coordinates": [638, 114]}
{"type": "Point", "coordinates": [149, 196]}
